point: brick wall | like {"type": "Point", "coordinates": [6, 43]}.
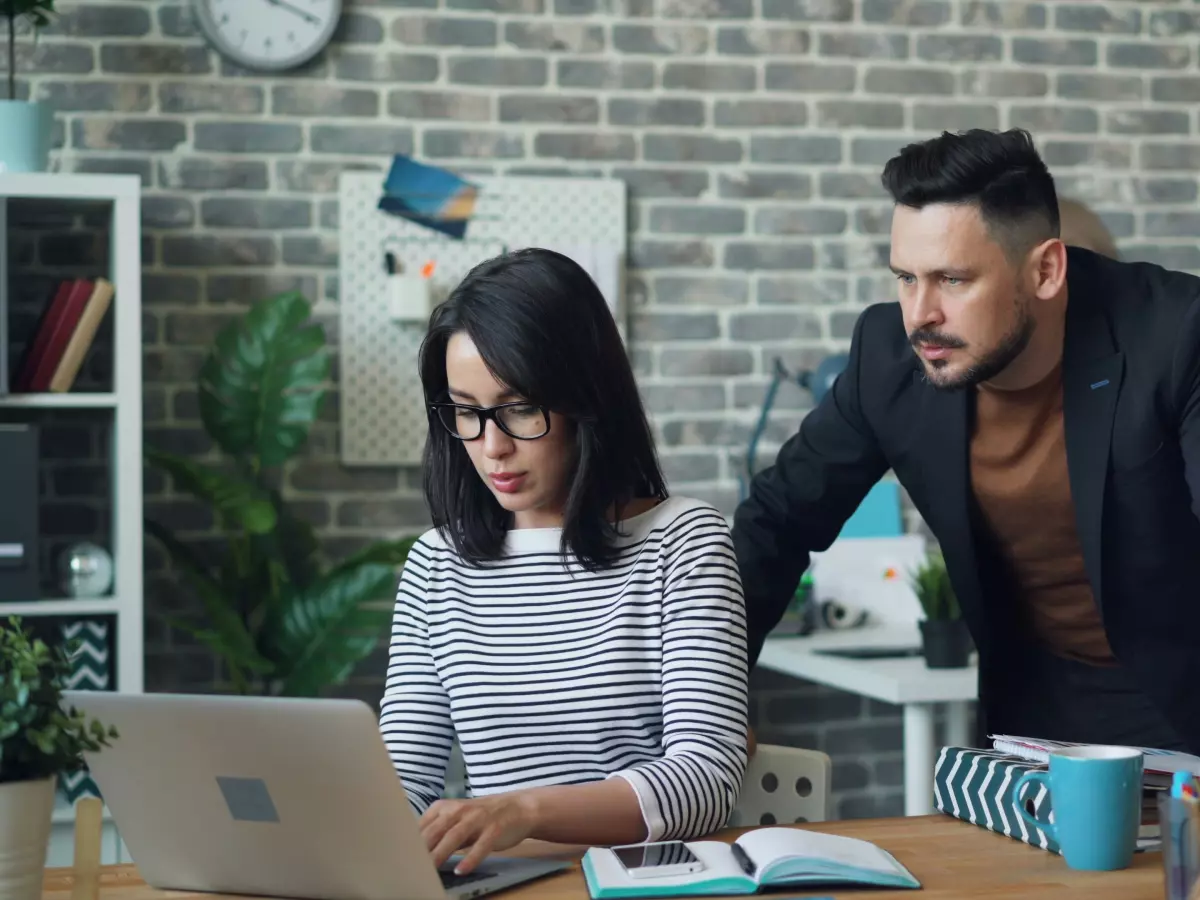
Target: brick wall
{"type": "Point", "coordinates": [751, 134]}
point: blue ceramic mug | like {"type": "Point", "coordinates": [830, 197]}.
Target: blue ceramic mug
{"type": "Point", "coordinates": [1096, 802]}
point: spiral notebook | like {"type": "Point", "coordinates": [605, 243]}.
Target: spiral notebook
{"type": "Point", "coordinates": [1159, 765]}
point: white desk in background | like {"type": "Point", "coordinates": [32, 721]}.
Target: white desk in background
{"type": "Point", "coordinates": [904, 681]}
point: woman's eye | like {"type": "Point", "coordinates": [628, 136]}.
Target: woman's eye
{"type": "Point", "coordinates": [465, 413]}
{"type": "Point", "coordinates": [524, 410]}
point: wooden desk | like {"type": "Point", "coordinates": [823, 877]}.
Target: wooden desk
{"type": "Point", "coordinates": [952, 859]}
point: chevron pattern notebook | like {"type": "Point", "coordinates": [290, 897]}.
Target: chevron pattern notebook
{"type": "Point", "coordinates": [91, 671]}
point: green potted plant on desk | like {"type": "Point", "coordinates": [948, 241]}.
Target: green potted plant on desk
{"type": "Point", "coordinates": [26, 126]}
{"type": "Point", "coordinates": [39, 740]}
{"type": "Point", "coordinates": [945, 641]}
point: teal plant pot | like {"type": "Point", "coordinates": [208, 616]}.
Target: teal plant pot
{"type": "Point", "coordinates": [26, 129]}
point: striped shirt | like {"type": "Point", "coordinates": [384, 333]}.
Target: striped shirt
{"type": "Point", "coordinates": [549, 674]}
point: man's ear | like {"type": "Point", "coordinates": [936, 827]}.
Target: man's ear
{"type": "Point", "coordinates": [1048, 268]}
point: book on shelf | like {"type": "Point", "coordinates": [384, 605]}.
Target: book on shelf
{"type": "Point", "coordinates": [64, 333]}
{"type": "Point", "coordinates": [760, 859]}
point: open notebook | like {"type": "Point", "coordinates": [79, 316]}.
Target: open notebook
{"type": "Point", "coordinates": [759, 859]}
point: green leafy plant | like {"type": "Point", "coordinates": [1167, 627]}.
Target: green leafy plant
{"type": "Point", "coordinates": [931, 583]}
{"type": "Point", "coordinates": [281, 622]}
{"type": "Point", "coordinates": [38, 737]}
{"type": "Point", "coordinates": [37, 14]}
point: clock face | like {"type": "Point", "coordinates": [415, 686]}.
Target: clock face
{"type": "Point", "coordinates": [268, 34]}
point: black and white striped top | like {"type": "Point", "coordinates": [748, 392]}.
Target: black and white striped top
{"type": "Point", "coordinates": [550, 674]}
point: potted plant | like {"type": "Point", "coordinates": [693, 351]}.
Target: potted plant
{"type": "Point", "coordinates": [26, 126]}
{"type": "Point", "coordinates": [282, 622]}
{"type": "Point", "coordinates": [945, 641]}
{"type": "Point", "coordinates": [39, 740]}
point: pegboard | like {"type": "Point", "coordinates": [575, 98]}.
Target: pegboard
{"type": "Point", "coordinates": [383, 413]}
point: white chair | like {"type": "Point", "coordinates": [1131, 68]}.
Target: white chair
{"type": "Point", "coordinates": [784, 785]}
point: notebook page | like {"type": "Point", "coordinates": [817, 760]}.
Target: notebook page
{"type": "Point", "coordinates": [768, 845]}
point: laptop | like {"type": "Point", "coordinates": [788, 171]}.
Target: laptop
{"type": "Point", "coordinates": [270, 796]}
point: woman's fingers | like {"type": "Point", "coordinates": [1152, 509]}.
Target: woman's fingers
{"type": "Point", "coordinates": [461, 833]}
{"type": "Point", "coordinates": [478, 852]}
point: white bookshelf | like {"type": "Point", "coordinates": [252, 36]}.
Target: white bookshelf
{"type": "Point", "coordinates": [122, 195]}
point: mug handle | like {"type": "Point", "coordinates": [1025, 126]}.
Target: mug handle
{"type": "Point", "coordinates": [1029, 778]}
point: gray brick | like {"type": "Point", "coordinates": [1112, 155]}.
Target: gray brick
{"type": "Point", "coordinates": [1096, 86]}
{"type": "Point", "coordinates": [310, 250]}
{"type": "Point", "coordinates": [177, 21]}
{"type": "Point", "coordinates": [787, 290]}
{"type": "Point", "coordinates": [954, 116]}
{"type": "Point", "coordinates": [841, 324]}
{"type": "Point", "coordinates": [774, 326]}
{"type": "Point", "coordinates": [312, 475]}
{"type": "Point", "coordinates": [819, 706]}
{"type": "Point", "coordinates": [803, 220]}
{"type": "Point", "coordinates": [866, 807]}
{"type": "Point", "coordinates": [696, 290]}
{"type": "Point", "coordinates": [675, 327]}
{"type": "Point", "coordinates": [128, 134]}
{"type": "Point", "coordinates": [568, 37]}
{"type": "Point", "coordinates": [328, 214]}
{"type": "Point", "coordinates": [621, 9]}
{"type": "Point", "coordinates": [1147, 121]}
{"type": "Point", "coordinates": [228, 98]}
{"type": "Point", "coordinates": [1093, 17]}
{"type": "Point", "coordinates": [657, 254]}
{"type": "Point", "coordinates": [358, 28]}
{"type": "Point", "coordinates": [706, 9]}
{"type": "Point", "coordinates": [759, 114]}
{"type": "Point", "coordinates": [1175, 89]}
{"type": "Point", "coordinates": [324, 101]}
{"type": "Point", "coordinates": [660, 39]}
{"type": "Point", "coordinates": [55, 58]}
{"type": "Point", "coordinates": [411, 104]}
{"type": "Point", "coordinates": [913, 13]}
{"type": "Point", "coordinates": [248, 137]}
{"type": "Point", "coordinates": [267, 213]}
{"type": "Point", "coordinates": [1003, 83]}
{"type": "Point", "coordinates": [873, 220]}
{"type": "Point", "coordinates": [1120, 224]}
{"type": "Point", "coordinates": [809, 10]}
{"type": "Point", "coordinates": [96, 96]}
{"type": "Point", "coordinates": [126, 20]}
{"type": "Point", "coordinates": [691, 148]}
{"type": "Point", "coordinates": [1172, 22]}
{"type": "Point", "coordinates": [549, 108]}
{"type": "Point", "coordinates": [681, 468]}
{"type": "Point", "coordinates": [1131, 55]}
{"type": "Point", "coordinates": [709, 77]}
{"type": "Point", "coordinates": [859, 114]}
{"type": "Point", "coordinates": [706, 363]}
{"type": "Point", "coordinates": [607, 75]}
{"type": "Point", "coordinates": [115, 165]}
{"type": "Point", "coordinates": [1170, 256]}
{"type": "Point", "coordinates": [361, 139]}
{"type": "Point", "coordinates": [1103, 154]}
{"type": "Point", "coordinates": [909, 81]}
{"type": "Point", "coordinates": [242, 290]}
{"type": "Point", "coordinates": [1165, 190]}
{"type": "Point", "coordinates": [747, 256]}
{"type": "Point", "coordinates": [970, 48]}
{"type": "Point", "coordinates": [393, 512]}
{"type": "Point", "coordinates": [1054, 51]}
{"type": "Point", "coordinates": [661, 111]}
{"type": "Point", "coordinates": [809, 150]}
{"type": "Point", "coordinates": [532, 7]}
{"type": "Point", "coordinates": [314, 177]}
{"type": "Point", "coordinates": [889, 772]}
{"type": "Point", "coordinates": [685, 396]}
{"type": "Point", "coordinates": [390, 67]}
{"type": "Point", "coordinates": [444, 31]}
{"type": "Point", "coordinates": [650, 183]}
{"type": "Point", "coordinates": [170, 290]}
{"type": "Point", "coordinates": [162, 211]}
{"type": "Point", "coordinates": [851, 186]}
{"type": "Point", "coordinates": [752, 41]}
{"type": "Point", "coordinates": [857, 45]}
{"type": "Point", "coordinates": [822, 77]}
{"type": "Point", "coordinates": [850, 777]}
{"type": "Point", "coordinates": [454, 143]}
{"type": "Point", "coordinates": [207, 251]}
{"type": "Point", "coordinates": [1008, 15]}
{"type": "Point", "coordinates": [748, 185]}
{"type": "Point", "coordinates": [698, 220]}
{"type": "Point", "coordinates": [498, 71]}
{"type": "Point", "coordinates": [1172, 224]}
{"type": "Point", "coordinates": [1076, 119]}
{"type": "Point", "coordinates": [568, 145]}
{"type": "Point", "coordinates": [158, 59]}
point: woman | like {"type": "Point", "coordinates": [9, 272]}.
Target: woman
{"type": "Point", "coordinates": [582, 633]}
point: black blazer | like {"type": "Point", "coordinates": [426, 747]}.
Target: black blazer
{"type": "Point", "coordinates": [1131, 398]}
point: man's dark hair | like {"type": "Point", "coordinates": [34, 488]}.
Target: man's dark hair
{"type": "Point", "coordinates": [1000, 172]}
{"type": "Point", "coordinates": [544, 330]}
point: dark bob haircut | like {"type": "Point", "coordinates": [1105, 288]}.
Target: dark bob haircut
{"type": "Point", "coordinates": [544, 330]}
{"type": "Point", "coordinates": [1001, 172]}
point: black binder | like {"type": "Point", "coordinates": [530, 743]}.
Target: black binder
{"type": "Point", "coordinates": [19, 579]}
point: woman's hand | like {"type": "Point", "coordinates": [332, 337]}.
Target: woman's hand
{"type": "Point", "coordinates": [480, 825]}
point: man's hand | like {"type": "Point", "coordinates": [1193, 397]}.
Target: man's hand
{"type": "Point", "coordinates": [481, 826]}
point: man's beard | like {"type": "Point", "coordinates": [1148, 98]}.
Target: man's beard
{"type": "Point", "coordinates": [987, 366]}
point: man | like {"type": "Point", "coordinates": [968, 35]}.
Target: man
{"type": "Point", "coordinates": [1041, 405]}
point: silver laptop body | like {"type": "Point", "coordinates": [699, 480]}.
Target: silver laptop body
{"type": "Point", "coordinates": [270, 796]}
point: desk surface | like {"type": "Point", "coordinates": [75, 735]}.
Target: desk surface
{"type": "Point", "coordinates": [952, 859]}
{"type": "Point", "coordinates": [896, 680]}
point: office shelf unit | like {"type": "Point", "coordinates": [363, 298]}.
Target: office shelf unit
{"type": "Point", "coordinates": [116, 200]}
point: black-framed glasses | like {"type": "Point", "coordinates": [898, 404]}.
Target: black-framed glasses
{"type": "Point", "coordinates": [520, 419]}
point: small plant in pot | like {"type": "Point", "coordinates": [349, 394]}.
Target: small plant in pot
{"type": "Point", "coordinates": [945, 641]}
{"type": "Point", "coordinates": [26, 126]}
{"type": "Point", "coordinates": [39, 740]}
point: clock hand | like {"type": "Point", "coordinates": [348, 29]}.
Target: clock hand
{"type": "Point", "coordinates": [306, 16]}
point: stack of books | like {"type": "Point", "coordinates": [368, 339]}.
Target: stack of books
{"type": "Point", "coordinates": [64, 333]}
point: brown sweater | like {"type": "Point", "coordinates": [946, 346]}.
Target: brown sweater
{"type": "Point", "coordinates": [1019, 475]}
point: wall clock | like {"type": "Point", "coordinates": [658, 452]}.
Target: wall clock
{"type": "Point", "coordinates": [268, 35]}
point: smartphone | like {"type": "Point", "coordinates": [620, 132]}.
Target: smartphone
{"type": "Point", "coordinates": [658, 860]}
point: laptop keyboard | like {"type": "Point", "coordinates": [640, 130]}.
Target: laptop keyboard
{"type": "Point", "coordinates": [452, 880]}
